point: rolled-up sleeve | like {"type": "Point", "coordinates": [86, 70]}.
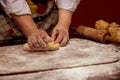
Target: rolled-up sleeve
{"type": "Point", "coordinates": [70, 5]}
{"type": "Point", "coordinates": [17, 7]}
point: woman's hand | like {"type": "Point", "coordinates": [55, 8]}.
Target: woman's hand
{"type": "Point", "coordinates": [60, 34]}
{"type": "Point", "coordinates": [38, 38]}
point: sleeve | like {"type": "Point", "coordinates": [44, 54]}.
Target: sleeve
{"type": "Point", "coordinates": [17, 7]}
{"type": "Point", "coordinates": [70, 5]}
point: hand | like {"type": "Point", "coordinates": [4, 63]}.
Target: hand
{"type": "Point", "coordinates": [38, 38]}
{"type": "Point", "coordinates": [60, 34]}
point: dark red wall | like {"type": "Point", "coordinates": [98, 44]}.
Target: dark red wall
{"type": "Point", "coordinates": [89, 10]}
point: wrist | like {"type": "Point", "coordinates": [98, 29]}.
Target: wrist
{"type": "Point", "coordinates": [64, 24]}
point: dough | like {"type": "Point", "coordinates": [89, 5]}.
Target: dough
{"type": "Point", "coordinates": [114, 32]}
{"type": "Point", "coordinates": [50, 46]}
{"type": "Point", "coordinates": [114, 25]}
{"type": "Point", "coordinates": [101, 25]}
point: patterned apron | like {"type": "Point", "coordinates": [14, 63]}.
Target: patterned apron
{"type": "Point", "coordinates": [44, 13]}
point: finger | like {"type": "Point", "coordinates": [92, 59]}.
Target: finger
{"type": "Point", "coordinates": [54, 34]}
{"type": "Point", "coordinates": [39, 37]}
{"type": "Point", "coordinates": [48, 39]}
{"type": "Point", "coordinates": [59, 38]}
{"type": "Point", "coordinates": [34, 42]}
{"type": "Point", "coordinates": [64, 41]}
{"type": "Point", "coordinates": [41, 42]}
{"type": "Point", "coordinates": [30, 43]}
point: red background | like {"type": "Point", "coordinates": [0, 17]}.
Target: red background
{"type": "Point", "coordinates": [88, 12]}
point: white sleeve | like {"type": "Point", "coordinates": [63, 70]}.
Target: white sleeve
{"type": "Point", "coordinates": [17, 7]}
{"type": "Point", "coordinates": [70, 5]}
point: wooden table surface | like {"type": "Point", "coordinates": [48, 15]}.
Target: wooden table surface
{"type": "Point", "coordinates": [110, 71]}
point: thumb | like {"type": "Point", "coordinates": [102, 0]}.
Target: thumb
{"type": "Point", "coordinates": [54, 34]}
{"type": "Point", "coordinates": [48, 39]}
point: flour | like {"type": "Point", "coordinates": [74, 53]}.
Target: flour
{"type": "Point", "coordinates": [78, 53]}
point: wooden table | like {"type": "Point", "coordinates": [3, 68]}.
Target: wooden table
{"type": "Point", "coordinates": [110, 71]}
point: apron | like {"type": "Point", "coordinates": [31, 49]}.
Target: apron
{"type": "Point", "coordinates": [44, 14]}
